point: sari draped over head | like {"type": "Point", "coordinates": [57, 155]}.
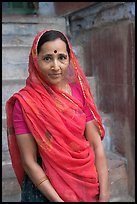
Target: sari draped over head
{"type": "Point", "coordinates": [57, 122]}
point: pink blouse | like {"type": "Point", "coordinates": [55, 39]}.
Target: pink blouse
{"type": "Point", "coordinates": [20, 125]}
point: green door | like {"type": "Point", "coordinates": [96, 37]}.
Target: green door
{"type": "Point", "coordinates": [19, 8]}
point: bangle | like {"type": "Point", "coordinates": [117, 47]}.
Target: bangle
{"type": "Point", "coordinates": [41, 181]}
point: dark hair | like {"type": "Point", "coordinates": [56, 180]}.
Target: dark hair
{"type": "Point", "coordinates": [52, 35]}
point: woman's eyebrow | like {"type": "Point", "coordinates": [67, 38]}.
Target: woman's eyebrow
{"type": "Point", "coordinates": [51, 54]}
{"type": "Point", "coordinates": [64, 54]}
{"type": "Point", "coordinates": [47, 55]}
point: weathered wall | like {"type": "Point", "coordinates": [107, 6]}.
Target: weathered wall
{"type": "Point", "coordinates": [63, 8]}
{"type": "Point", "coordinates": [106, 33]}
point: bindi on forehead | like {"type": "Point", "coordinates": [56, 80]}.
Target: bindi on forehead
{"type": "Point", "coordinates": [55, 51]}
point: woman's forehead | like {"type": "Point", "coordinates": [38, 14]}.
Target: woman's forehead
{"type": "Point", "coordinates": [54, 46]}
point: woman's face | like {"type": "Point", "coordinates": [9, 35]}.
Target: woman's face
{"type": "Point", "coordinates": [53, 61]}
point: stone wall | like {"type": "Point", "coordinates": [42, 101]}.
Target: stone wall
{"type": "Point", "coordinates": [106, 33]}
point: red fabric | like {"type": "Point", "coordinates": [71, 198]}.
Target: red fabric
{"type": "Point", "coordinates": [20, 125]}
{"type": "Point", "coordinates": [57, 122]}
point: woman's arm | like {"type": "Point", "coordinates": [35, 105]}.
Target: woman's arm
{"type": "Point", "coordinates": [92, 135]}
{"type": "Point", "coordinates": [28, 151]}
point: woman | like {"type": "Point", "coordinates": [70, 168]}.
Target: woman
{"type": "Point", "coordinates": [54, 130]}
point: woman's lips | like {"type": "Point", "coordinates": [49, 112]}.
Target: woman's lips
{"type": "Point", "coordinates": [54, 76]}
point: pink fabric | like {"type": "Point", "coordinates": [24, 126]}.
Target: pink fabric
{"type": "Point", "coordinates": [77, 93]}
{"type": "Point", "coordinates": [20, 124]}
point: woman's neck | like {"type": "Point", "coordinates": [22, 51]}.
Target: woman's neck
{"type": "Point", "coordinates": [64, 86]}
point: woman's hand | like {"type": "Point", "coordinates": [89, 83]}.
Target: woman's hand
{"type": "Point", "coordinates": [104, 198]}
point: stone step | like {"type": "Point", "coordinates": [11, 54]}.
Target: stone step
{"type": "Point", "coordinates": [6, 160]}
{"type": "Point", "coordinates": [92, 83]}
{"type": "Point", "coordinates": [33, 19]}
{"type": "Point", "coordinates": [14, 71]}
{"type": "Point", "coordinates": [5, 150]}
{"type": "Point", "coordinates": [15, 62]}
{"type": "Point", "coordinates": [9, 87]}
{"type": "Point", "coordinates": [11, 198]}
{"type": "Point", "coordinates": [17, 40]}
{"type": "Point", "coordinates": [31, 25]}
{"type": "Point", "coordinates": [5, 154]}
{"type": "Point", "coordinates": [23, 29]}
{"type": "Point", "coordinates": [10, 187]}
{"type": "Point", "coordinates": [118, 181]}
{"type": "Point", "coordinates": [17, 197]}
{"type": "Point", "coordinates": [125, 198]}
{"type": "Point", "coordinates": [15, 55]}
{"type": "Point", "coordinates": [7, 170]}
{"type": "Point", "coordinates": [107, 122]}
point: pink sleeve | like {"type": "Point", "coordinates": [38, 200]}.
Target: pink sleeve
{"type": "Point", "coordinates": [20, 125]}
{"type": "Point", "coordinates": [88, 113]}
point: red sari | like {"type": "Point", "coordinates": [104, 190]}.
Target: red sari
{"type": "Point", "coordinates": [57, 122]}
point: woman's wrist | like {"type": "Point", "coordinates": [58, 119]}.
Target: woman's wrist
{"type": "Point", "coordinates": [104, 197]}
{"type": "Point", "coordinates": [47, 189]}
{"type": "Point", "coordinates": [41, 181]}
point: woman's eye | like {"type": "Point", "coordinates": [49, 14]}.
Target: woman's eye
{"type": "Point", "coordinates": [62, 57]}
{"type": "Point", "coordinates": [47, 59]}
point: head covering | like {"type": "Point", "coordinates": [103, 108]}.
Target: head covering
{"type": "Point", "coordinates": [57, 122]}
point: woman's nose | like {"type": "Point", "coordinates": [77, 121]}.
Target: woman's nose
{"type": "Point", "coordinates": [55, 65]}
